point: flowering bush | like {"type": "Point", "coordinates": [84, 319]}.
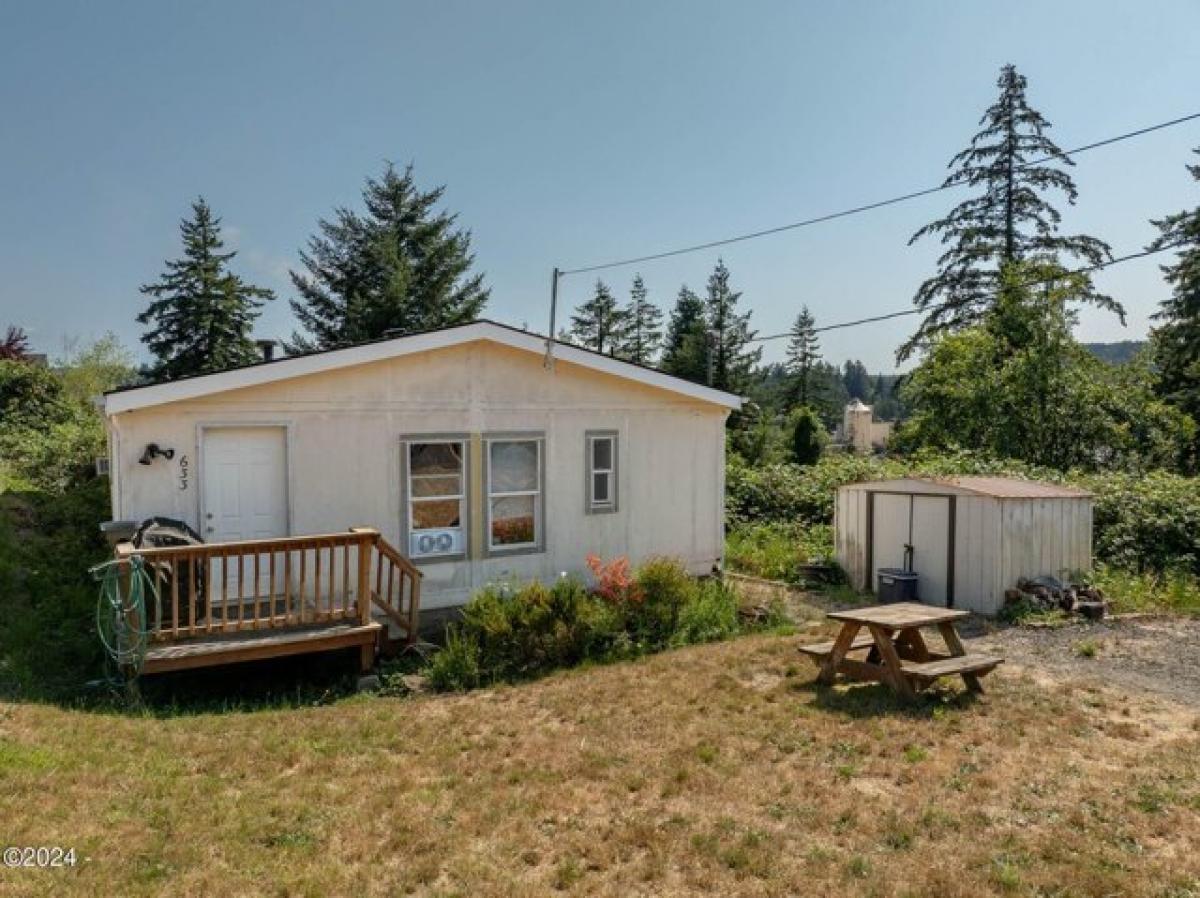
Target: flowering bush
{"type": "Point", "coordinates": [614, 580]}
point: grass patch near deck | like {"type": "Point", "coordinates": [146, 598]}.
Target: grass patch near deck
{"type": "Point", "coordinates": [716, 769]}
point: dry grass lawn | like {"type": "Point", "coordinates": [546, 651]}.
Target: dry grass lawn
{"type": "Point", "coordinates": [714, 770]}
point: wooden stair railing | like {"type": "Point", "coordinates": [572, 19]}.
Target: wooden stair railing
{"type": "Point", "coordinates": [397, 588]}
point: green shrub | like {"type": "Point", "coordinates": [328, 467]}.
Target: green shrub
{"type": "Point", "coordinates": [664, 588]}
{"type": "Point", "coordinates": [456, 667]}
{"type": "Point", "coordinates": [710, 613]}
{"type": "Point", "coordinates": [510, 632]}
{"type": "Point", "coordinates": [777, 551]}
{"type": "Point", "coordinates": [520, 631]}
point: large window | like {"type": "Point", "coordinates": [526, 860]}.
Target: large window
{"type": "Point", "coordinates": [514, 487]}
{"type": "Point", "coordinates": [601, 471]}
{"type": "Point", "coordinates": [437, 503]}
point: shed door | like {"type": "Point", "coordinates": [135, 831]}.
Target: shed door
{"type": "Point", "coordinates": [922, 522]}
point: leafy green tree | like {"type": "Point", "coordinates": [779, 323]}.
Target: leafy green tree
{"type": "Point", "coordinates": [399, 267]}
{"type": "Point", "coordinates": [807, 436]}
{"type": "Point", "coordinates": [732, 358]}
{"type": "Point", "coordinates": [1019, 386]}
{"type": "Point", "coordinates": [803, 353]}
{"type": "Point", "coordinates": [643, 333]}
{"type": "Point", "coordinates": [1176, 340]}
{"type": "Point", "coordinates": [600, 324]}
{"type": "Point", "coordinates": [1008, 220]}
{"type": "Point", "coordinates": [88, 370]}
{"type": "Point", "coordinates": [201, 316]}
{"type": "Point", "coordinates": [15, 345]}
{"type": "Point", "coordinates": [685, 348]}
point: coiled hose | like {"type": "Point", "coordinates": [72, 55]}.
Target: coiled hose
{"type": "Point", "coordinates": [121, 617]}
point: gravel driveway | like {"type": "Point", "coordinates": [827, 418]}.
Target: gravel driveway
{"type": "Point", "coordinates": [1137, 653]}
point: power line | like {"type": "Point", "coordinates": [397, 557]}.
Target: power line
{"type": "Point", "coordinates": [874, 318]}
{"type": "Point", "coordinates": [865, 208]}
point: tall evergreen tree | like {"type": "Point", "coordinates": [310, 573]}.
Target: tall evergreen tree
{"type": "Point", "coordinates": [857, 380]}
{"type": "Point", "coordinates": [15, 344]}
{"type": "Point", "coordinates": [803, 353]}
{"type": "Point", "coordinates": [398, 267]}
{"type": "Point", "coordinates": [600, 324]}
{"type": "Point", "coordinates": [732, 357]}
{"type": "Point", "coordinates": [1176, 340]}
{"type": "Point", "coordinates": [685, 347]}
{"type": "Point", "coordinates": [201, 316]}
{"type": "Point", "coordinates": [1008, 221]}
{"type": "Point", "coordinates": [643, 332]}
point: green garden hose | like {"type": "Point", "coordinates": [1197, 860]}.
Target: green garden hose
{"type": "Point", "coordinates": [121, 618]}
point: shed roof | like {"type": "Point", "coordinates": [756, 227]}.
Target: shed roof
{"type": "Point", "coordinates": [130, 398]}
{"type": "Point", "coordinates": [996, 487]}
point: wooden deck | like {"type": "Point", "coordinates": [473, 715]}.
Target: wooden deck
{"type": "Point", "coordinates": [224, 603]}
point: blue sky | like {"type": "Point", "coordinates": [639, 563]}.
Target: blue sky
{"type": "Point", "coordinates": [567, 134]}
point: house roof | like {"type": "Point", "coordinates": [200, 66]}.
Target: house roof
{"type": "Point", "coordinates": [129, 398]}
{"type": "Point", "coordinates": [996, 487]}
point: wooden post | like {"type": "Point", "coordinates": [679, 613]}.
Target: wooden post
{"type": "Point", "coordinates": [366, 544]}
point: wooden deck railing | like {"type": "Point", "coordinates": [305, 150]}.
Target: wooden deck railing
{"type": "Point", "coordinates": [294, 581]}
{"type": "Point", "coordinates": [397, 588]}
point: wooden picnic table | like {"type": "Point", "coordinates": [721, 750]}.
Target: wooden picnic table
{"type": "Point", "coordinates": [895, 651]}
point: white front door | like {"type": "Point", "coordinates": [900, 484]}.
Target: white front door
{"type": "Point", "coordinates": [245, 497]}
{"type": "Point", "coordinates": [245, 483]}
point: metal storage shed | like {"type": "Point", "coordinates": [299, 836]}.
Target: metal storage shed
{"type": "Point", "coordinates": [972, 537]}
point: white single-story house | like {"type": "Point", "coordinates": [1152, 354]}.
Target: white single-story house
{"type": "Point", "coordinates": [469, 449]}
{"type": "Point", "coordinates": [971, 538]}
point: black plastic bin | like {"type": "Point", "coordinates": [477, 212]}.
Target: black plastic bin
{"type": "Point", "coordinates": [896, 585]}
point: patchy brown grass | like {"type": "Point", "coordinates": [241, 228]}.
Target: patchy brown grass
{"type": "Point", "coordinates": [717, 770]}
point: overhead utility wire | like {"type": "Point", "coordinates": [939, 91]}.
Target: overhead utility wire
{"type": "Point", "coordinates": [858, 209]}
{"type": "Point", "coordinates": [844, 324]}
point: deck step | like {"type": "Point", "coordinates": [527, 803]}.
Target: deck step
{"type": "Point", "coordinates": [962, 664]}
{"type": "Point", "coordinates": [821, 649]}
{"type": "Point", "coordinates": [257, 645]}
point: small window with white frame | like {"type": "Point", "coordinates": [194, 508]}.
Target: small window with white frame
{"type": "Point", "coordinates": [514, 494]}
{"type": "Point", "coordinates": [436, 515]}
{"type": "Point", "coordinates": [601, 471]}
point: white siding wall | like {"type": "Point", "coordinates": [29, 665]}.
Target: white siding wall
{"type": "Point", "coordinates": [850, 534]}
{"type": "Point", "coordinates": [1045, 536]}
{"type": "Point", "coordinates": [344, 455]}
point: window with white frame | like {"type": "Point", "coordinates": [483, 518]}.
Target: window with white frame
{"type": "Point", "coordinates": [437, 498]}
{"type": "Point", "coordinates": [514, 488]}
{"type": "Point", "coordinates": [601, 471]}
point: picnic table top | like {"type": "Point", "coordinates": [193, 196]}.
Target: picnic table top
{"type": "Point", "coordinates": [900, 615]}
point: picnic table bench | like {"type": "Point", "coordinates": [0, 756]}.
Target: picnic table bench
{"type": "Point", "coordinates": [896, 652]}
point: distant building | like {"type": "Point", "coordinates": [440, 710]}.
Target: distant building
{"type": "Point", "coordinates": [859, 430]}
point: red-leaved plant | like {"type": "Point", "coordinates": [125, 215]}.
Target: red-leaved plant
{"type": "Point", "coordinates": [614, 579]}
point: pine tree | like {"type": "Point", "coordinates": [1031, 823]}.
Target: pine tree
{"type": "Point", "coordinates": [201, 317]}
{"type": "Point", "coordinates": [1007, 222]}
{"type": "Point", "coordinates": [643, 333]}
{"type": "Point", "coordinates": [857, 380]}
{"type": "Point", "coordinates": [803, 352]}
{"type": "Point", "coordinates": [732, 359]}
{"type": "Point", "coordinates": [599, 324]}
{"type": "Point", "coordinates": [15, 344]}
{"type": "Point", "coordinates": [685, 347]}
{"type": "Point", "coordinates": [400, 267]}
{"type": "Point", "coordinates": [1176, 341]}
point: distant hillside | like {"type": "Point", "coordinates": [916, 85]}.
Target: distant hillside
{"type": "Point", "coordinates": [1116, 353]}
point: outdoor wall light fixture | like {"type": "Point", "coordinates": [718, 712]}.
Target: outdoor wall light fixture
{"type": "Point", "coordinates": [152, 452]}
